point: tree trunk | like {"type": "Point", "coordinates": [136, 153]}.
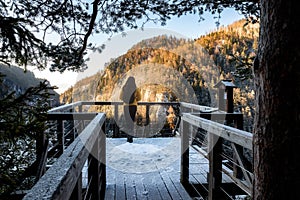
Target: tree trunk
{"type": "Point", "coordinates": [277, 120]}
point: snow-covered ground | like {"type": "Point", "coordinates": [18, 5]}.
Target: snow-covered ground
{"type": "Point", "coordinates": [144, 155]}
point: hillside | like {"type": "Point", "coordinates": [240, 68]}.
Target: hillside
{"type": "Point", "coordinates": [16, 80]}
{"type": "Point", "coordinates": [180, 69]}
{"type": "Point", "coordinates": [233, 49]}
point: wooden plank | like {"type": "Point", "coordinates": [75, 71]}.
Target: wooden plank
{"type": "Point", "coordinates": [141, 192]}
{"type": "Point", "coordinates": [130, 187]}
{"type": "Point", "coordinates": [162, 187]}
{"type": "Point", "coordinates": [200, 178]}
{"type": "Point", "coordinates": [181, 190]}
{"type": "Point", "coordinates": [110, 191]}
{"type": "Point", "coordinates": [150, 185]}
{"type": "Point", "coordinates": [226, 178]}
{"type": "Point", "coordinates": [195, 168]}
{"type": "Point", "coordinates": [192, 179]}
{"type": "Point", "coordinates": [170, 186]}
{"type": "Point", "coordinates": [120, 186]}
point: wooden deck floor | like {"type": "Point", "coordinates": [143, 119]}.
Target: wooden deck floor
{"type": "Point", "coordinates": [153, 185]}
{"type": "Point", "coordinates": [149, 168]}
{"type": "Point", "coordinates": [146, 169]}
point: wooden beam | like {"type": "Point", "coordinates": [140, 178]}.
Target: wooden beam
{"type": "Point", "coordinates": [65, 107]}
{"type": "Point", "coordinates": [215, 167]}
{"type": "Point", "coordinates": [184, 105]}
{"type": "Point", "coordinates": [70, 116]}
{"type": "Point", "coordinates": [184, 175]}
{"type": "Point", "coordinates": [231, 134]}
{"type": "Point", "coordinates": [77, 191]}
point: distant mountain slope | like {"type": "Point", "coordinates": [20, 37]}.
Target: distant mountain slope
{"type": "Point", "coordinates": [16, 80]}
{"type": "Point", "coordinates": [226, 53]}
{"type": "Point", "coordinates": [233, 49]}
{"type": "Point", "coordinates": [180, 56]}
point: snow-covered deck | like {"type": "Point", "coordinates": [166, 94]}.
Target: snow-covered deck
{"type": "Point", "coordinates": [149, 168]}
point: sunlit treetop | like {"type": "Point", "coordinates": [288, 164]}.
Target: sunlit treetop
{"type": "Point", "coordinates": [26, 26]}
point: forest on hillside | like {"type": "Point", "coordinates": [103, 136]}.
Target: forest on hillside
{"type": "Point", "coordinates": [15, 79]}
{"type": "Point", "coordinates": [227, 53]}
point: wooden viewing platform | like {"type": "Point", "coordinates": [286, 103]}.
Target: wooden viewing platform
{"type": "Point", "coordinates": [89, 165]}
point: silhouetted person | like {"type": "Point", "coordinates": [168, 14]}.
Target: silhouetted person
{"type": "Point", "coordinates": [130, 95]}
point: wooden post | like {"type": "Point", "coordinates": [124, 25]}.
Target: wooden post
{"type": "Point", "coordinates": [215, 167]}
{"type": "Point", "coordinates": [42, 153]}
{"type": "Point", "coordinates": [237, 171]}
{"type": "Point", "coordinates": [80, 127]}
{"type": "Point", "coordinates": [184, 176]}
{"type": "Point", "coordinates": [147, 114]}
{"type": "Point", "coordinates": [225, 90]}
{"type": "Point", "coordinates": [80, 108]}
{"type": "Point", "coordinates": [60, 137]}
{"type": "Point", "coordinates": [229, 104]}
{"type": "Point", "coordinates": [116, 127]}
{"type": "Point", "coordinates": [71, 127]}
{"type": "Point", "coordinates": [77, 192]}
{"type": "Point", "coordinates": [221, 99]}
{"type": "Point", "coordinates": [102, 174]}
{"type": "Point", "coordinates": [94, 171]}
{"type": "Point", "coordinates": [97, 167]}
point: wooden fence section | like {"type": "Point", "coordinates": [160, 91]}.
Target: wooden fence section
{"type": "Point", "coordinates": [64, 179]}
{"type": "Point", "coordinates": [67, 123]}
{"type": "Point", "coordinates": [217, 135]}
{"type": "Point", "coordinates": [81, 105]}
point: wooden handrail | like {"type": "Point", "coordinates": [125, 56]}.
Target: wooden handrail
{"type": "Point", "coordinates": [195, 107]}
{"type": "Point", "coordinates": [60, 180]}
{"type": "Point", "coordinates": [79, 104]}
{"type": "Point", "coordinates": [217, 132]}
{"type": "Point", "coordinates": [231, 134]}
{"type": "Point", "coordinates": [65, 107]}
{"type": "Point", "coordinates": [71, 116]}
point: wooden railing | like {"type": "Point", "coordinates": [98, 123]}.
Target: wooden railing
{"type": "Point", "coordinates": [218, 134]}
{"type": "Point", "coordinates": [86, 153]}
{"type": "Point", "coordinates": [63, 180]}
{"type": "Point", "coordinates": [80, 107]}
{"type": "Point", "coordinates": [65, 162]}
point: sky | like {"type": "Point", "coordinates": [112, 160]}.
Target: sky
{"type": "Point", "coordinates": [184, 27]}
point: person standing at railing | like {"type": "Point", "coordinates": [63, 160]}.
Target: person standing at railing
{"type": "Point", "coordinates": [130, 95]}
